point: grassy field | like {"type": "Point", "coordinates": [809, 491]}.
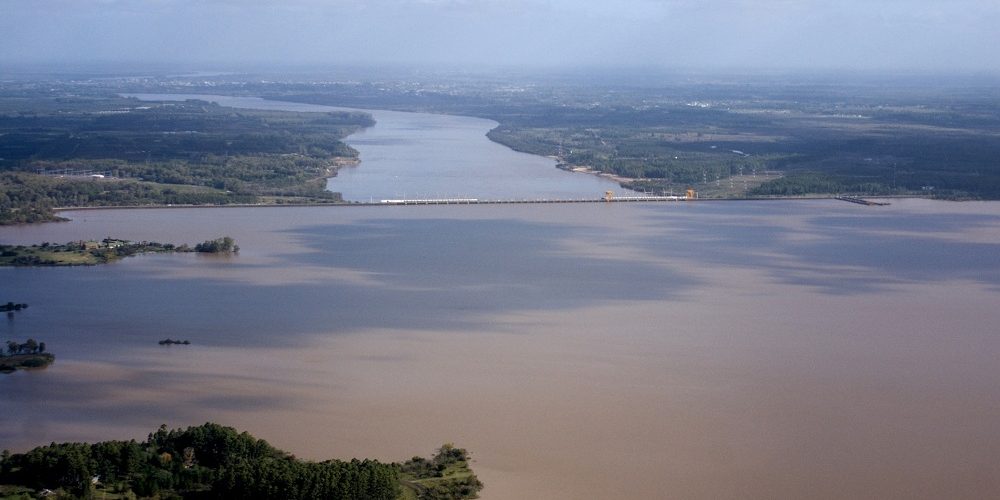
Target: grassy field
{"type": "Point", "coordinates": [56, 255]}
{"type": "Point", "coordinates": [445, 476]}
{"type": "Point", "coordinates": [90, 253]}
{"type": "Point", "coordinates": [455, 475]}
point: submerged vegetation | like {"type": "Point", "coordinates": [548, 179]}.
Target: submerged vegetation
{"type": "Point", "coordinates": [90, 253]}
{"type": "Point", "coordinates": [213, 461]}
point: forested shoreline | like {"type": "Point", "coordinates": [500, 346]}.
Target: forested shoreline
{"type": "Point", "coordinates": [214, 461]}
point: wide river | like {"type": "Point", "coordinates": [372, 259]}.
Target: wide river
{"type": "Point", "coordinates": [422, 155]}
{"type": "Point", "coordinates": [792, 349]}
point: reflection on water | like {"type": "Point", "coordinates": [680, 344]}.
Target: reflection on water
{"type": "Point", "coordinates": [689, 350]}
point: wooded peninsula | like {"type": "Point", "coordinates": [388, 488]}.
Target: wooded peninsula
{"type": "Point", "coordinates": [212, 461]}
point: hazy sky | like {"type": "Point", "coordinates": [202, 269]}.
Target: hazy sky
{"type": "Point", "coordinates": [864, 34]}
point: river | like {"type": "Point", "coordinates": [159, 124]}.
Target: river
{"type": "Point", "coordinates": [783, 349]}
{"type": "Point", "coordinates": [424, 155]}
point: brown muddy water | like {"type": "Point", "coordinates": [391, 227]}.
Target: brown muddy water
{"type": "Point", "coordinates": [793, 349]}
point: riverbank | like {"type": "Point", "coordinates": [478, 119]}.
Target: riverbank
{"type": "Point", "coordinates": [583, 169]}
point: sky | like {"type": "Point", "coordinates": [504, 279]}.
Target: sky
{"type": "Point", "coordinates": [910, 35]}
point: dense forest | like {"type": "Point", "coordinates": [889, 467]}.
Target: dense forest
{"type": "Point", "coordinates": [64, 149]}
{"type": "Point", "coordinates": [213, 461]}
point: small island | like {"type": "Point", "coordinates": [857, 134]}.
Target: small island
{"type": "Point", "coordinates": [212, 461]}
{"type": "Point", "coordinates": [91, 253]}
{"type": "Point", "coordinates": [175, 342]}
{"type": "Point", "coordinates": [30, 354]}
{"type": "Point", "coordinates": [11, 307]}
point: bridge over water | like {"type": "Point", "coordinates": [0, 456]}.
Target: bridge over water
{"type": "Point", "coordinates": [477, 201]}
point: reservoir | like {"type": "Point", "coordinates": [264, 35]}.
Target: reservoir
{"type": "Point", "coordinates": [699, 350]}
{"type": "Point", "coordinates": [785, 349]}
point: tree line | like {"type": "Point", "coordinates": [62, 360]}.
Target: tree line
{"type": "Point", "coordinates": [224, 244]}
{"type": "Point", "coordinates": [30, 346]}
{"type": "Point", "coordinates": [207, 461]}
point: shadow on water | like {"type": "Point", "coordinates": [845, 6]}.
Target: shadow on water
{"type": "Point", "coordinates": [426, 274]}
{"type": "Point", "coordinates": [126, 397]}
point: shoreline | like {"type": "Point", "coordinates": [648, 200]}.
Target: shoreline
{"type": "Point", "coordinates": [584, 169]}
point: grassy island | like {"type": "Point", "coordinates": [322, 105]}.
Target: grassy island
{"type": "Point", "coordinates": [90, 253]}
{"type": "Point", "coordinates": [10, 307]}
{"type": "Point", "coordinates": [30, 354]}
{"type": "Point", "coordinates": [212, 461]}
{"type": "Point", "coordinates": [175, 342]}
{"type": "Point", "coordinates": [9, 364]}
